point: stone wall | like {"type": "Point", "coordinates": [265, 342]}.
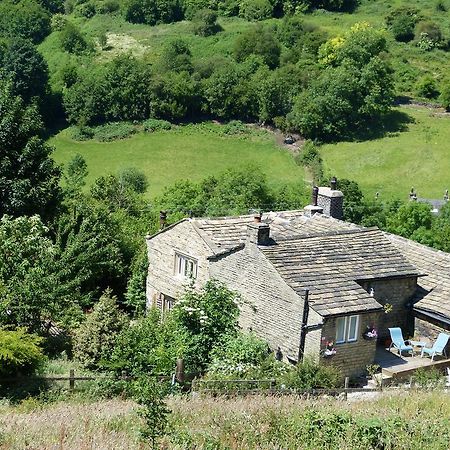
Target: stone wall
{"type": "Point", "coordinates": [271, 308]}
{"type": "Point", "coordinates": [398, 293]}
{"type": "Point", "coordinates": [351, 358]}
{"type": "Point", "coordinates": [161, 277]}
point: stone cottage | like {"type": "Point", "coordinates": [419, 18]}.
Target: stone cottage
{"type": "Point", "coordinates": [312, 283]}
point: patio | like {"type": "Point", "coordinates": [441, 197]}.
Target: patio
{"type": "Point", "coordinates": [395, 366]}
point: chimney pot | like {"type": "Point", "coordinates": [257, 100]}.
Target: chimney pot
{"type": "Point", "coordinates": [257, 217]}
{"type": "Point", "coordinates": [315, 193]}
{"type": "Point", "coordinates": [333, 184]}
{"type": "Point", "coordinates": [162, 219]}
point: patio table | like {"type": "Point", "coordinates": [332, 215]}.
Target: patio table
{"type": "Point", "coordinates": [419, 344]}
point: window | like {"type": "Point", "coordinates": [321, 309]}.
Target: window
{"type": "Point", "coordinates": [347, 329]}
{"type": "Point", "coordinates": [185, 267]}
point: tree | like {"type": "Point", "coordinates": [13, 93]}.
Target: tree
{"type": "Point", "coordinates": [427, 87]}
{"type": "Point", "coordinates": [24, 18]}
{"type": "Point", "coordinates": [32, 287]}
{"type": "Point", "coordinates": [72, 41]}
{"type": "Point", "coordinates": [401, 21]}
{"type": "Point", "coordinates": [152, 12]}
{"type": "Point", "coordinates": [409, 218]}
{"type": "Point", "coordinates": [205, 22]}
{"type": "Point", "coordinates": [256, 9]}
{"type": "Point", "coordinates": [260, 41]}
{"type": "Point", "coordinates": [95, 338]}
{"type": "Point", "coordinates": [29, 178]}
{"type": "Point", "coordinates": [176, 56]}
{"type": "Point", "coordinates": [25, 67]}
{"type": "Point", "coordinates": [445, 95]}
{"type": "Point", "coordinates": [75, 176]}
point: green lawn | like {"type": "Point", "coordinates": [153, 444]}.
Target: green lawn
{"type": "Point", "coordinates": [192, 153]}
{"type": "Point", "coordinates": [419, 157]}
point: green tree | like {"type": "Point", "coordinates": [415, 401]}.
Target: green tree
{"type": "Point", "coordinates": [205, 22]}
{"type": "Point", "coordinates": [152, 12]}
{"type": "Point", "coordinates": [444, 98]}
{"type": "Point", "coordinates": [20, 352]}
{"type": "Point", "coordinates": [72, 41]}
{"type": "Point", "coordinates": [176, 56]}
{"type": "Point", "coordinates": [427, 87]}
{"type": "Point", "coordinates": [29, 178]}
{"type": "Point", "coordinates": [32, 287]}
{"type": "Point", "coordinates": [75, 176]}
{"type": "Point", "coordinates": [409, 218]}
{"type": "Point", "coordinates": [255, 9]}
{"type": "Point", "coordinates": [24, 18]}
{"type": "Point", "coordinates": [96, 337]}
{"type": "Point", "coordinates": [402, 21]}
{"type": "Point", "coordinates": [25, 67]}
{"type": "Point", "coordinates": [259, 41]}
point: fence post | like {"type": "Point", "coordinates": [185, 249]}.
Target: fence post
{"type": "Point", "coordinates": [347, 379]}
{"type": "Point", "coordinates": [71, 380]}
{"type": "Point", "coordinates": [179, 372]}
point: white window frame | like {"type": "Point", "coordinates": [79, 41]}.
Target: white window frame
{"type": "Point", "coordinates": [185, 266]}
{"type": "Point", "coordinates": [347, 321]}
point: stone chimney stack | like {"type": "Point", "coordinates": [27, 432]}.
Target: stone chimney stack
{"type": "Point", "coordinates": [331, 200]}
{"type": "Point", "coordinates": [313, 208]}
{"type": "Point", "coordinates": [162, 220]}
{"type": "Point", "coordinates": [258, 232]}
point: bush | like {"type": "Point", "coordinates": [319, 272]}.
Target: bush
{"type": "Point", "coordinates": [234, 127]}
{"type": "Point", "coordinates": [309, 374]}
{"type": "Point", "coordinates": [428, 35]}
{"type": "Point", "coordinates": [95, 338]}
{"type": "Point", "coordinates": [205, 22]}
{"type": "Point", "coordinates": [20, 352]}
{"type": "Point", "coordinates": [401, 22]}
{"type": "Point", "coordinates": [151, 125]}
{"type": "Point", "coordinates": [72, 40]}
{"type": "Point", "coordinates": [440, 6]}
{"type": "Point", "coordinates": [134, 179]}
{"type": "Point", "coordinates": [445, 95]}
{"type": "Point", "coordinates": [58, 22]}
{"type": "Point", "coordinates": [107, 6]}
{"type": "Point", "coordinates": [152, 12]}
{"type": "Point", "coordinates": [255, 10]}
{"type": "Point", "coordinates": [113, 131]}
{"type": "Point", "coordinates": [427, 87]}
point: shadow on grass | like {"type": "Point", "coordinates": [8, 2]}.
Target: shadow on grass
{"type": "Point", "coordinates": [391, 123]}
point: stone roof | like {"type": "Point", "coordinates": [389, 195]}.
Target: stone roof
{"type": "Point", "coordinates": [226, 233]}
{"type": "Point", "coordinates": [433, 295]}
{"type": "Point", "coordinates": [329, 264]}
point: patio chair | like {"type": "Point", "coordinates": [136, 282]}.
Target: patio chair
{"type": "Point", "coordinates": [438, 347]}
{"type": "Point", "coordinates": [398, 342]}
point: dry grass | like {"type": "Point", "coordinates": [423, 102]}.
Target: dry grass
{"type": "Point", "coordinates": [392, 421]}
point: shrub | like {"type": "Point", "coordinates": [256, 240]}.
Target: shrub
{"type": "Point", "coordinates": [86, 10]}
{"type": "Point", "coordinates": [445, 95]}
{"type": "Point", "coordinates": [113, 131]}
{"type": "Point", "coordinates": [95, 338]}
{"type": "Point", "coordinates": [72, 40]}
{"type": "Point", "coordinates": [205, 22]}
{"type": "Point", "coordinates": [107, 6]}
{"type": "Point", "coordinates": [401, 22]}
{"type": "Point", "coordinates": [133, 178]}
{"type": "Point", "coordinates": [309, 374]}
{"type": "Point", "coordinates": [58, 22]}
{"type": "Point", "coordinates": [255, 10]}
{"type": "Point", "coordinates": [428, 35]}
{"type": "Point", "coordinates": [427, 87]}
{"type": "Point", "coordinates": [440, 6]}
{"type": "Point", "coordinates": [151, 125]}
{"type": "Point", "coordinates": [234, 127]}
{"type": "Point", "coordinates": [428, 378]}
{"type": "Point", "coordinates": [20, 352]}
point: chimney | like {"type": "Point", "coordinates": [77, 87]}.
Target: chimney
{"type": "Point", "coordinates": [257, 217]}
{"type": "Point", "coordinates": [312, 209]}
{"type": "Point", "coordinates": [331, 200]}
{"type": "Point", "coordinates": [162, 219]}
{"type": "Point", "coordinates": [258, 233]}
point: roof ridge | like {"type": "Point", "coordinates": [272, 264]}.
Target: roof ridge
{"type": "Point", "coordinates": [249, 216]}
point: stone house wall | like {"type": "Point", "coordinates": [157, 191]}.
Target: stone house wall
{"type": "Point", "coordinates": [161, 277]}
{"type": "Point", "coordinates": [271, 308]}
{"type": "Point", "coordinates": [398, 293]}
{"type": "Point", "coordinates": [352, 357]}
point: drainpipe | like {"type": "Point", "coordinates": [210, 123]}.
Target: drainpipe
{"type": "Point", "coordinates": [303, 331]}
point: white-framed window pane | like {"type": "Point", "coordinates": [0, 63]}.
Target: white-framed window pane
{"type": "Point", "coordinates": [340, 330]}
{"type": "Point", "coordinates": [352, 328]}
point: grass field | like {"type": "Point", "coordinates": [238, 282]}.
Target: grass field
{"type": "Point", "coordinates": [192, 152]}
{"type": "Point", "coordinates": [418, 156]}
{"type": "Point", "coordinates": [392, 421]}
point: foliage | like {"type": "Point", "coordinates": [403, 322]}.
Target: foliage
{"type": "Point", "coordinates": [428, 35]}
{"type": "Point", "coordinates": [105, 133]}
{"type": "Point", "coordinates": [255, 10]}
{"type": "Point", "coordinates": [150, 395]}
{"type": "Point", "coordinates": [72, 40]}
{"type": "Point", "coordinates": [428, 377]}
{"type": "Point", "coordinates": [205, 23]}
{"type": "Point", "coordinates": [409, 218]}
{"type": "Point", "coordinates": [402, 21]}
{"type": "Point", "coordinates": [206, 318]}
{"type": "Point", "coordinates": [445, 95]}
{"type": "Point", "coordinates": [30, 275]}
{"type": "Point", "coordinates": [25, 67]}
{"type": "Point", "coordinates": [260, 41]}
{"type": "Point", "coordinates": [148, 346]}
{"type": "Point", "coordinates": [176, 56]}
{"type": "Point", "coordinates": [24, 18]}
{"type": "Point", "coordinates": [310, 158]}
{"type": "Point", "coordinates": [151, 125]}
{"type": "Point", "coordinates": [20, 352]}
{"type": "Point", "coordinates": [135, 295]}
{"type": "Point", "coordinates": [309, 374]}
{"type": "Point", "coordinates": [28, 176]}
{"type": "Point", "coordinates": [152, 12]}
{"type": "Point", "coordinates": [427, 87]}
{"type": "Point", "coordinates": [95, 338]}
